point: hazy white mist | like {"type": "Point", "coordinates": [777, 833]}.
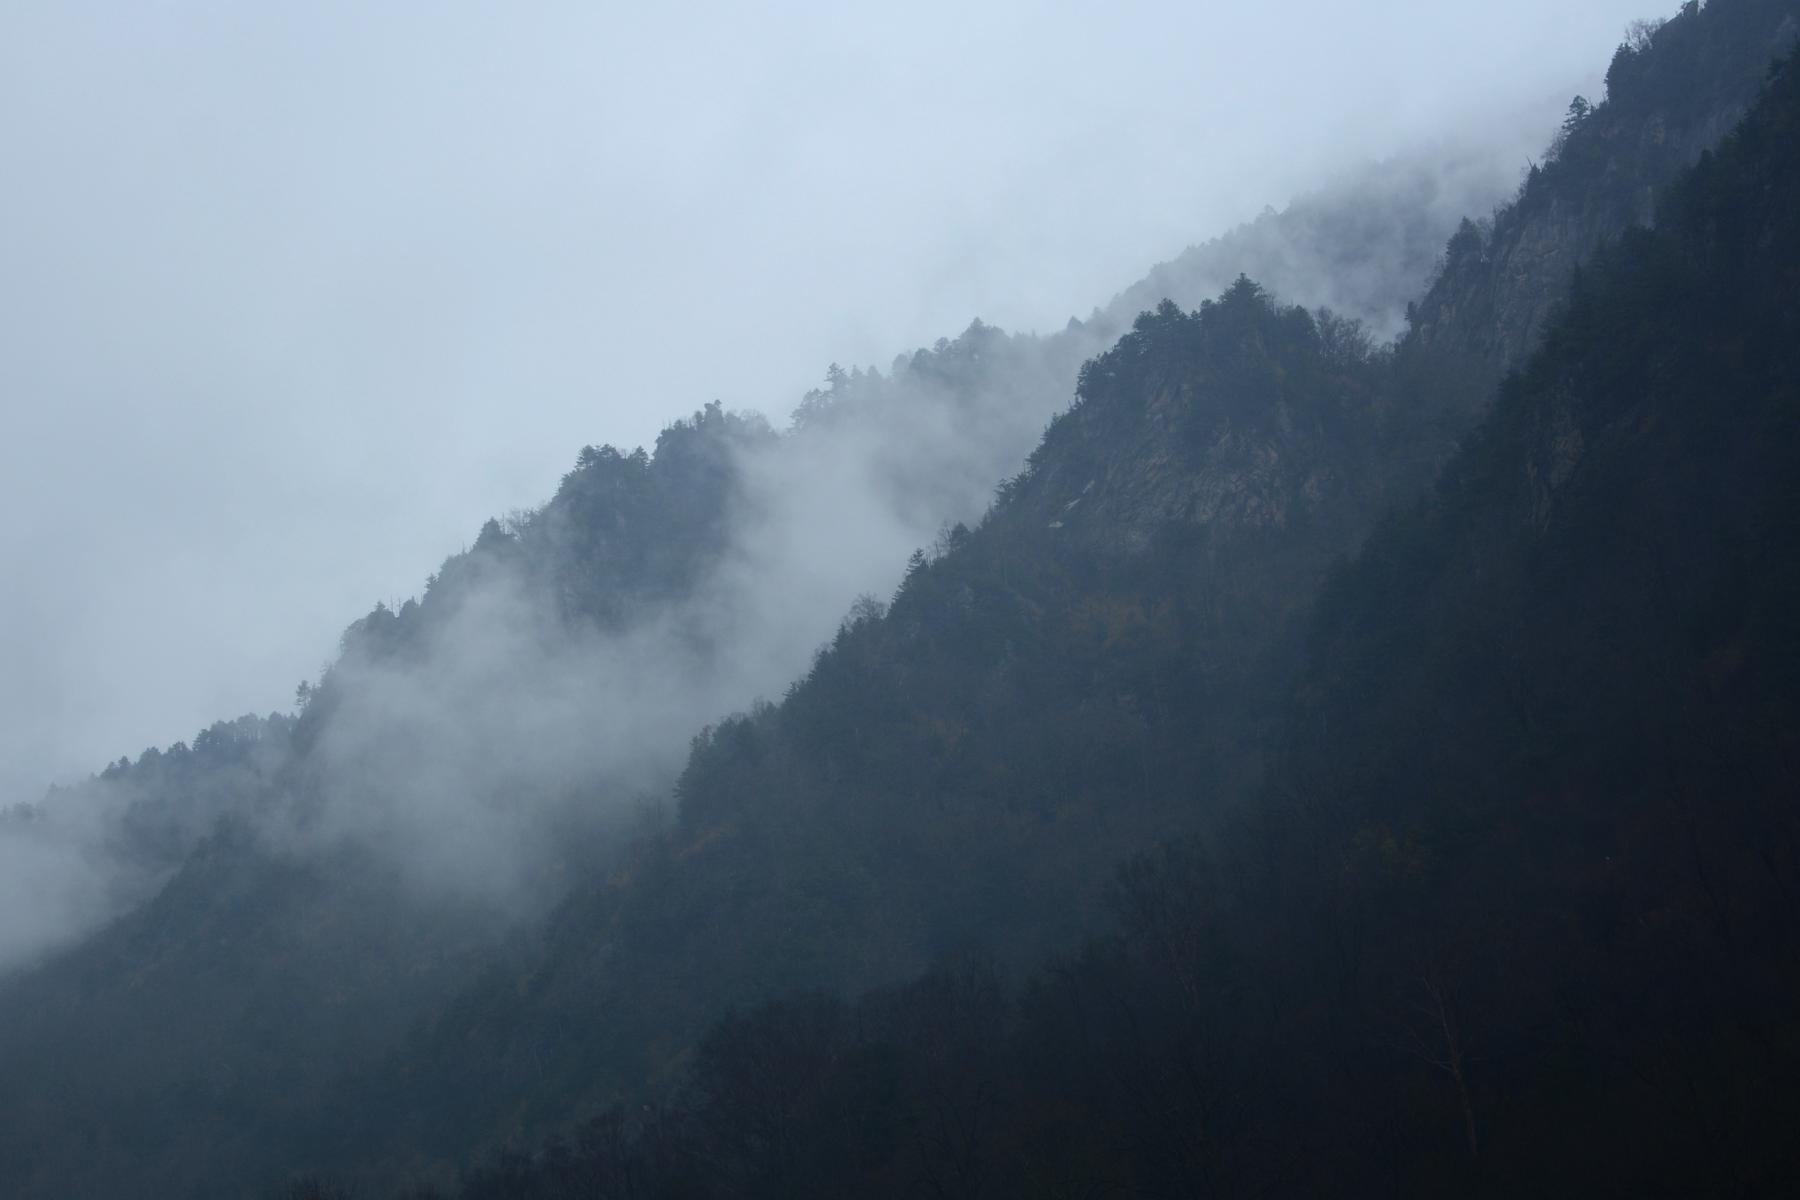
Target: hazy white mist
{"type": "Point", "coordinates": [291, 298]}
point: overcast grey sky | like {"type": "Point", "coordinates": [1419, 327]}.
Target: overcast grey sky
{"type": "Point", "coordinates": [292, 297]}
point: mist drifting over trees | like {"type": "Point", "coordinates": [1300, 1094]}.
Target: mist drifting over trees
{"type": "Point", "coordinates": [1318, 724]}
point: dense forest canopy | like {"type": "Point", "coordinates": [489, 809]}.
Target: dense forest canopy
{"type": "Point", "coordinates": [1512, 911]}
{"type": "Point", "coordinates": [1245, 743]}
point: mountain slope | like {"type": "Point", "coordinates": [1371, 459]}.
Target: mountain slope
{"type": "Point", "coordinates": [949, 774]}
{"type": "Point", "coordinates": [1088, 671]}
{"type": "Point", "coordinates": [634, 550]}
{"type": "Point", "coordinates": [1672, 91]}
{"type": "Point", "coordinates": [1095, 666]}
{"type": "Point", "coordinates": [1556, 709]}
{"type": "Point", "coordinates": [895, 704]}
{"type": "Point", "coordinates": [1515, 913]}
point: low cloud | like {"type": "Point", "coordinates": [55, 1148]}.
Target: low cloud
{"type": "Point", "coordinates": [484, 756]}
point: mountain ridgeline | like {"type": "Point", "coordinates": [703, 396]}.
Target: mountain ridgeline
{"type": "Point", "coordinates": [1672, 91]}
{"type": "Point", "coordinates": [1511, 910]}
{"type": "Point", "coordinates": [1324, 764]}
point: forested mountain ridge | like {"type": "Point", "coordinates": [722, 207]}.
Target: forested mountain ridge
{"type": "Point", "coordinates": [1514, 911]}
{"type": "Point", "coordinates": [623, 531]}
{"type": "Point", "coordinates": [1672, 91]}
{"type": "Point", "coordinates": [1364, 248]}
{"type": "Point", "coordinates": [1051, 691]}
{"type": "Point", "coordinates": [280, 939]}
{"type": "Point", "coordinates": [1096, 664]}
{"type": "Point", "coordinates": [948, 776]}
{"type": "Point", "coordinates": [627, 533]}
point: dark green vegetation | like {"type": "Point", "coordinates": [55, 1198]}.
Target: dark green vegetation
{"type": "Point", "coordinates": [963, 770]}
{"type": "Point", "coordinates": [1672, 90]}
{"type": "Point", "coordinates": [1450, 759]}
{"type": "Point", "coordinates": [1514, 911]}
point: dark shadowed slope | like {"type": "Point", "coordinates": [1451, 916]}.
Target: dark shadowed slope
{"type": "Point", "coordinates": [1092, 667]}
{"type": "Point", "coordinates": [1051, 693]}
{"type": "Point", "coordinates": [1672, 91]}
{"type": "Point", "coordinates": [1516, 912]}
{"type": "Point", "coordinates": [1087, 671]}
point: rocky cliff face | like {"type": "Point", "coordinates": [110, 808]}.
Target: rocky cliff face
{"type": "Point", "coordinates": [1236, 422]}
{"type": "Point", "coordinates": [1672, 93]}
{"type": "Point", "coordinates": [1275, 431]}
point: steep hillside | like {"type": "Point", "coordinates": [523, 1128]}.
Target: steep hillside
{"type": "Point", "coordinates": [494, 789]}
{"type": "Point", "coordinates": [962, 770]}
{"type": "Point", "coordinates": [1207, 445]}
{"type": "Point", "coordinates": [282, 939]}
{"type": "Point", "coordinates": [1365, 248]}
{"type": "Point", "coordinates": [1673, 90]}
{"type": "Point", "coordinates": [1514, 914]}
{"type": "Point", "coordinates": [1550, 718]}
{"type": "Point", "coordinates": [184, 1041]}
{"type": "Point", "coordinates": [1093, 667]}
